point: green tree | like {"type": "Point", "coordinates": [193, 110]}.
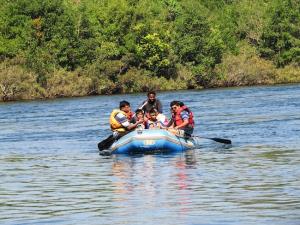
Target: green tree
{"type": "Point", "coordinates": [15, 29]}
{"type": "Point", "coordinates": [196, 43]}
{"type": "Point", "coordinates": [280, 40]}
{"type": "Point", "coordinates": [153, 53]}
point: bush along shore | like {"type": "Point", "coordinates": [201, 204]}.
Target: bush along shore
{"type": "Point", "coordinates": [64, 48]}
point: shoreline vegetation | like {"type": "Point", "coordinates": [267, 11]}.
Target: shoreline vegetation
{"type": "Point", "coordinates": [68, 48]}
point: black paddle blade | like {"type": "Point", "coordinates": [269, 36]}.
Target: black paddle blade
{"type": "Point", "coordinates": [221, 140]}
{"type": "Point", "coordinates": [106, 143]}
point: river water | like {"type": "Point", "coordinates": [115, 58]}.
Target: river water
{"type": "Point", "coordinates": [51, 172]}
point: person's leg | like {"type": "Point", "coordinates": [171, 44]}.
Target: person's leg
{"type": "Point", "coordinates": [188, 132]}
{"type": "Point", "coordinates": [121, 134]}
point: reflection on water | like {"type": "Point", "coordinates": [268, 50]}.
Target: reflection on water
{"type": "Point", "coordinates": [51, 172]}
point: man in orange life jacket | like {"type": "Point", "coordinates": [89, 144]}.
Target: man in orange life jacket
{"type": "Point", "coordinates": [120, 119]}
{"type": "Point", "coordinates": [182, 122]}
{"type": "Point", "coordinates": [119, 124]}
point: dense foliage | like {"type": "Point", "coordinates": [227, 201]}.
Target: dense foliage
{"type": "Point", "coordinates": [280, 40]}
{"type": "Point", "coordinates": [55, 48]}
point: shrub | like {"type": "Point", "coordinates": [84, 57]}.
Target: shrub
{"type": "Point", "coordinates": [246, 68]}
{"type": "Point", "coordinates": [142, 80]}
{"type": "Point", "coordinates": [63, 83]}
{"type": "Point", "coordinates": [288, 74]}
{"type": "Point", "coordinates": [17, 83]}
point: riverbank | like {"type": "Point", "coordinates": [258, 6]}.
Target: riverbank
{"type": "Point", "coordinates": [18, 83]}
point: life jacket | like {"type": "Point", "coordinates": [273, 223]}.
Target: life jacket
{"type": "Point", "coordinates": [150, 122]}
{"type": "Point", "coordinates": [114, 124]}
{"type": "Point", "coordinates": [178, 120]}
{"type": "Point", "coordinates": [129, 115]}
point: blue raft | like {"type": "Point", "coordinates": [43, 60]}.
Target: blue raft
{"type": "Point", "coordinates": [151, 141]}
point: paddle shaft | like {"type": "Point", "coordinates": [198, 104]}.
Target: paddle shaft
{"type": "Point", "coordinates": [141, 107]}
{"type": "Point", "coordinates": [220, 140]}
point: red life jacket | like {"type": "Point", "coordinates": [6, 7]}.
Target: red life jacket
{"type": "Point", "coordinates": [129, 115]}
{"type": "Point", "coordinates": [178, 120]}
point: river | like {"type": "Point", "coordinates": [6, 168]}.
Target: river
{"type": "Point", "coordinates": [51, 172]}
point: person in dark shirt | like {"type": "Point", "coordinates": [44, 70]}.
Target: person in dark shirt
{"type": "Point", "coordinates": [152, 103]}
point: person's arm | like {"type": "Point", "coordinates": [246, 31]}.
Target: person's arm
{"type": "Point", "coordinates": [125, 123]}
{"type": "Point", "coordinates": [133, 120]}
{"type": "Point", "coordinates": [159, 106]}
{"type": "Point", "coordinates": [170, 124]}
{"type": "Point", "coordinates": [185, 117]}
{"type": "Point", "coordinates": [132, 126]}
{"type": "Point", "coordinates": [185, 122]}
{"type": "Point", "coordinates": [143, 106]}
{"type": "Point", "coordinates": [121, 118]}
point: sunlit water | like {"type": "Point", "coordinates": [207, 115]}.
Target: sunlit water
{"type": "Point", "coordinates": [51, 172]}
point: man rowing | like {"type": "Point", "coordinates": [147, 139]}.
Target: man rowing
{"type": "Point", "coordinates": [119, 124]}
{"type": "Point", "coordinates": [182, 122]}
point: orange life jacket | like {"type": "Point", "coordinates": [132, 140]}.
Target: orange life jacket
{"type": "Point", "coordinates": [176, 117]}
{"type": "Point", "coordinates": [114, 124]}
{"type": "Point", "coordinates": [129, 115]}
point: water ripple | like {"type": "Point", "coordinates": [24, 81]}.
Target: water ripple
{"type": "Point", "coordinates": [51, 172]}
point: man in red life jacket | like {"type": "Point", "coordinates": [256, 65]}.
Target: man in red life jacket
{"type": "Point", "coordinates": [182, 122]}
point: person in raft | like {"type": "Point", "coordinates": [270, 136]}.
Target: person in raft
{"type": "Point", "coordinates": [139, 115]}
{"type": "Point", "coordinates": [156, 120]}
{"type": "Point", "coordinates": [151, 103]}
{"type": "Point", "coordinates": [182, 122]}
{"type": "Point", "coordinates": [119, 124]}
{"type": "Point", "coordinates": [120, 120]}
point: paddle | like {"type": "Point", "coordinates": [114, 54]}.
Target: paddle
{"type": "Point", "coordinates": [106, 143]}
{"type": "Point", "coordinates": [180, 133]}
{"type": "Point", "coordinates": [220, 140]}
{"type": "Point", "coordinates": [141, 107]}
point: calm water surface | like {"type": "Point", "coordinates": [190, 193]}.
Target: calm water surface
{"type": "Point", "coordinates": [51, 172]}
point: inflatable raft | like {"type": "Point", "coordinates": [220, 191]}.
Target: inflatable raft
{"type": "Point", "coordinates": [151, 141]}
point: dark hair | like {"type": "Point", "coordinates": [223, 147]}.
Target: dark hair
{"type": "Point", "coordinates": [151, 93]}
{"type": "Point", "coordinates": [124, 103]}
{"type": "Point", "coordinates": [179, 103]}
{"type": "Point", "coordinates": [139, 111]}
{"type": "Point", "coordinates": [153, 110]}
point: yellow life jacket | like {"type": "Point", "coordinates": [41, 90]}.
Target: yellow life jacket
{"type": "Point", "coordinates": [114, 124]}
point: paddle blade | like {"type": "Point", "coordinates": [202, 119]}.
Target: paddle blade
{"type": "Point", "coordinates": [106, 143]}
{"type": "Point", "coordinates": [221, 140]}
